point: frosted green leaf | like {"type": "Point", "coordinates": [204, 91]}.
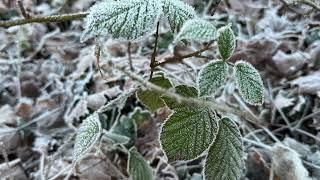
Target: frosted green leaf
{"type": "Point", "coordinates": [138, 168]}
{"type": "Point", "coordinates": [87, 135]}
{"type": "Point", "coordinates": [226, 41]}
{"type": "Point", "coordinates": [125, 126]}
{"type": "Point", "coordinates": [211, 77]}
{"type": "Point", "coordinates": [198, 30]}
{"type": "Point", "coordinates": [177, 12]}
{"type": "Point", "coordinates": [150, 98]}
{"type": "Point", "coordinates": [182, 90]}
{"type": "Point", "coordinates": [224, 158]}
{"type": "Point", "coordinates": [249, 83]}
{"type": "Point", "coordinates": [188, 132]}
{"type": "Point", "coordinates": [118, 102]}
{"type": "Point", "coordinates": [115, 138]}
{"type": "Point", "coordinates": [125, 19]}
{"type": "Point", "coordinates": [140, 116]}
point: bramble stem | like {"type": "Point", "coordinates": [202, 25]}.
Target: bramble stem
{"type": "Point", "coordinates": [44, 19]}
{"type": "Point", "coordinates": [153, 57]}
{"type": "Point", "coordinates": [129, 56]}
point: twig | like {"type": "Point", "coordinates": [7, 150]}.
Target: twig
{"type": "Point", "coordinates": [23, 10]}
{"type": "Point", "coordinates": [213, 6]}
{"type": "Point", "coordinates": [97, 53]}
{"type": "Point", "coordinates": [175, 59]}
{"type": "Point", "coordinates": [129, 56]}
{"type": "Point", "coordinates": [44, 19]}
{"type": "Point", "coordinates": [153, 57]}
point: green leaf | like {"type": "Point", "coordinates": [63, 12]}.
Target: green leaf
{"type": "Point", "coordinates": [249, 83]}
{"type": "Point", "coordinates": [188, 132]}
{"type": "Point", "coordinates": [150, 98]}
{"type": "Point", "coordinates": [224, 158]}
{"type": "Point", "coordinates": [198, 30]}
{"type": "Point", "coordinates": [140, 116]}
{"type": "Point", "coordinates": [182, 90]}
{"type": "Point", "coordinates": [115, 138]}
{"type": "Point", "coordinates": [118, 102]}
{"type": "Point", "coordinates": [177, 12]}
{"type": "Point", "coordinates": [226, 41]}
{"type": "Point", "coordinates": [212, 76]}
{"type": "Point", "coordinates": [138, 168]}
{"type": "Point", "coordinates": [125, 19]}
{"type": "Point", "coordinates": [125, 126]}
{"type": "Point", "coordinates": [87, 135]}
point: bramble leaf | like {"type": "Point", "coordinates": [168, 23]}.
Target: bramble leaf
{"type": "Point", "coordinates": [249, 83]}
{"type": "Point", "coordinates": [226, 41]}
{"type": "Point", "coordinates": [138, 167]}
{"type": "Point", "coordinates": [211, 77]}
{"type": "Point", "coordinates": [188, 132]}
{"type": "Point", "coordinates": [182, 90]}
{"type": "Point", "coordinates": [125, 19]}
{"type": "Point", "coordinates": [224, 158]}
{"type": "Point", "coordinates": [125, 126]}
{"type": "Point", "coordinates": [198, 30]}
{"type": "Point", "coordinates": [151, 99]}
{"type": "Point", "coordinates": [177, 12]}
{"type": "Point", "coordinates": [87, 135]}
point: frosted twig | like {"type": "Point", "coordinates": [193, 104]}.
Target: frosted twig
{"type": "Point", "coordinates": [153, 57]}
{"type": "Point", "coordinates": [23, 10]}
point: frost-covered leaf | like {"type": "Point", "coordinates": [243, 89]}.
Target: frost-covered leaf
{"type": "Point", "coordinates": [140, 116]}
{"type": "Point", "coordinates": [188, 132]}
{"type": "Point", "coordinates": [249, 83]}
{"type": "Point", "coordinates": [182, 90]}
{"type": "Point", "coordinates": [87, 135]}
{"type": "Point", "coordinates": [118, 102]}
{"type": "Point", "coordinates": [125, 126]}
{"type": "Point", "coordinates": [226, 41]}
{"type": "Point", "coordinates": [138, 168]}
{"type": "Point", "coordinates": [125, 19]}
{"type": "Point", "coordinates": [115, 138]}
{"type": "Point", "coordinates": [198, 30]}
{"type": "Point", "coordinates": [177, 12]}
{"type": "Point", "coordinates": [150, 98]}
{"type": "Point", "coordinates": [224, 159]}
{"type": "Point", "coordinates": [211, 77]}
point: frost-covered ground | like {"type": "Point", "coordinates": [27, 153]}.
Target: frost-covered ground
{"type": "Point", "coordinates": [49, 82]}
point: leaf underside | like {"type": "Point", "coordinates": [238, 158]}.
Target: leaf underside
{"type": "Point", "coordinates": [138, 167]}
{"type": "Point", "coordinates": [188, 132]}
{"type": "Point", "coordinates": [177, 12]}
{"type": "Point", "coordinates": [249, 83]}
{"type": "Point", "coordinates": [211, 77]}
{"type": "Point", "coordinates": [226, 42]}
{"type": "Point", "coordinates": [198, 30]}
{"type": "Point", "coordinates": [125, 19]}
{"type": "Point", "coordinates": [151, 99]}
{"type": "Point", "coordinates": [87, 135]}
{"type": "Point", "coordinates": [224, 158]}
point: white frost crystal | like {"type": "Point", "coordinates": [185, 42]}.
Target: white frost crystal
{"type": "Point", "coordinates": [198, 30]}
{"type": "Point", "coordinates": [125, 19]}
{"type": "Point", "coordinates": [177, 12]}
{"type": "Point", "coordinates": [249, 83]}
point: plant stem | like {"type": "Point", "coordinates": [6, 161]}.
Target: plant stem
{"type": "Point", "coordinates": [153, 57]}
{"type": "Point", "coordinates": [23, 10]}
{"type": "Point", "coordinates": [129, 56]}
{"type": "Point", "coordinates": [190, 101]}
{"type": "Point", "coordinates": [180, 58]}
{"type": "Point", "coordinates": [44, 19]}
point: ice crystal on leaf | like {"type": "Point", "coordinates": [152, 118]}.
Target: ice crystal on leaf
{"type": "Point", "coordinates": [224, 158]}
{"type": "Point", "coordinates": [177, 12]}
{"type": "Point", "coordinates": [125, 19]}
{"type": "Point", "coordinates": [188, 132]}
{"type": "Point", "coordinates": [198, 30]}
{"type": "Point", "coordinates": [249, 83]}
{"type": "Point", "coordinates": [87, 135]}
{"type": "Point", "coordinates": [226, 41]}
{"type": "Point", "coordinates": [211, 77]}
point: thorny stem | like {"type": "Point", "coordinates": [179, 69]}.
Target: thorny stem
{"type": "Point", "coordinates": [175, 59]}
{"type": "Point", "coordinates": [191, 101]}
{"type": "Point", "coordinates": [23, 10]}
{"type": "Point", "coordinates": [153, 57]}
{"type": "Point", "coordinates": [44, 19]}
{"type": "Point", "coordinates": [129, 56]}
